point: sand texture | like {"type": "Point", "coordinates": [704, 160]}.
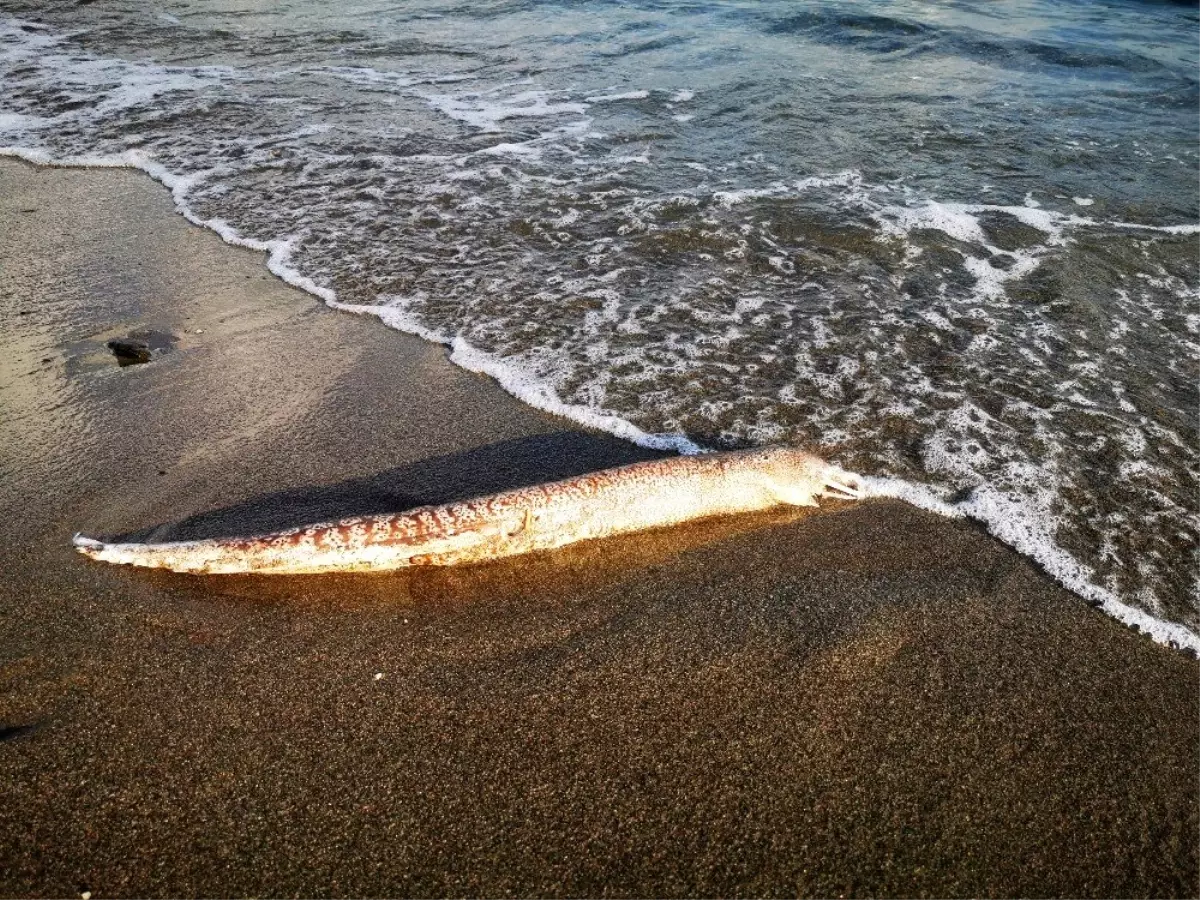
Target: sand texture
{"type": "Point", "coordinates": [867, 700]}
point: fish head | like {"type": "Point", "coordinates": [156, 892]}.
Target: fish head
{"type": "Point", "coordinates": [799, 479]}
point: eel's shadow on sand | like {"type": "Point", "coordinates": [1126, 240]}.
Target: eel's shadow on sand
{"type": "Point", "coordinates": [441, 479]}
{"type": "Point", "coordinates": [11, 732]}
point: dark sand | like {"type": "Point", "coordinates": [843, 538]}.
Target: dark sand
{"type": "Point", "coordinates": [866, 700]}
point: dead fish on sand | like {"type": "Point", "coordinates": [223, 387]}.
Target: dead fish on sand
{"type": "Point", "coordinates": [600, 504]}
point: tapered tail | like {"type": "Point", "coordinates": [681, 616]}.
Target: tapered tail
{"type": "Point", "coordinates": [325, 547]}
{"type": "Point", "coordinates": [182, 556]}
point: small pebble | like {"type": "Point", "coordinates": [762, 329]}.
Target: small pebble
{"type": "Point", "coordinates": [378, 676]}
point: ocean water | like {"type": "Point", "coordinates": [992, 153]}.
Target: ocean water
{"type": "Point", "coordinates": [951, 246]}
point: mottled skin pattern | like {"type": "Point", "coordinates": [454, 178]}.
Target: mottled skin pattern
{"type": "Point", "coordinates": [614, 501]}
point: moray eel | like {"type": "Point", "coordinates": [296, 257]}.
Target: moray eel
{"type": "Point", "coordinates": [630, 498]}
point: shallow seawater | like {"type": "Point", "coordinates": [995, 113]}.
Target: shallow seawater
{"type": "Point", "coordinates": [950, 246]}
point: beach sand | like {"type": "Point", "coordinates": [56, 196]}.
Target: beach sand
{"type": "Point", "coordinates": [865, 700]}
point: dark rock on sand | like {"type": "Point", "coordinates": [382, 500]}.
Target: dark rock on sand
{"type": "Point", "coordinates": [130, 352]}
{"type": "Point", "coordinates": [141, 347]}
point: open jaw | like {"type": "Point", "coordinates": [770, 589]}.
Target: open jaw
{"type": "Point", "coordinates": [843, 486]}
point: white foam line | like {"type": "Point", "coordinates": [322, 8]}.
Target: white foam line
{"type": "Point", "coordinates": [1057, 563]}
{"type": "Point", "coordinates": [397, 319]}
{"type": "Point", "coordinates": [1167, 229]}
{"type": "Point", "coordinates": [519, 381]}
{"type": "Point", "coordinates": [917, 494]}
{"type": "Point", "coordinates": [605, 98]}
{"type": "Point", "coordinates": [528, 389]}
{"type": "Point", "coordinates": [279, 251]}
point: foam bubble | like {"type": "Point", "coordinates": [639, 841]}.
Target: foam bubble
{"type": "Point", "coordinates": [486, 111]}
{"type": "Point", "coordinates": [1165, 229]}
{"type": "Point", "coordinates": [609, 98]}
{"type": "Point", "coordinates": [954, 219]}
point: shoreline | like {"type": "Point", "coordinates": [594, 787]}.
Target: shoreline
{"type": "Point", "coordinates": [1055, 562]}
{"type": "Point", "coordinates": [867, 700]}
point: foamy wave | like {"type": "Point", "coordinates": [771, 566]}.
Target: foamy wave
{"type": "Point", "coordinates": [519, 378]}
{"type": "Point", "coordinates": [850, 179]}
{"type": "Point", "coordinates": [11, 122]}
{"type": "Point", "coordinates": [1010, 522]}
{"type": "Point", "coordinates": [1165, 229]}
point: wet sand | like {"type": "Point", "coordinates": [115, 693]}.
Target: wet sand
{"type": "Point", "coordinates": [868, 700]}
